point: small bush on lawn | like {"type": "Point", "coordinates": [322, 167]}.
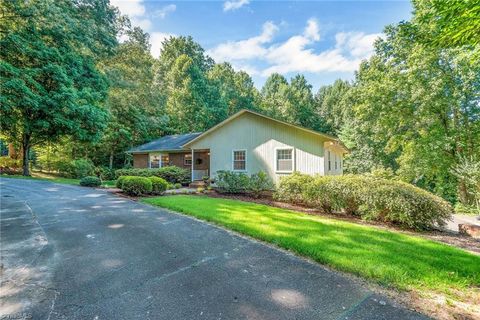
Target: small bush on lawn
{"type": "Point", "coordinates": [90, 181]}
{"type": "Point", "coordinates": [136, 186]}
{"type": "Point", "coordinates": [9, 165]}
{"type": "Point", "coordinates": [371, 198]}
{"type": "Point", "coordinates": [159, 185]}
{"type": "Point", "coordinates": [172, 174]}
{"type": "Point", "coordinates": [233, 182]}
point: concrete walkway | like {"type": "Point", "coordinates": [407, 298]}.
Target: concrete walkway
{"type": "Point", "coordinates": [79, 253]}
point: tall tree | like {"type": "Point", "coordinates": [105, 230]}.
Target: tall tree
{"type": "Point", "coordinates": [273, 94]}
{"type": "Point", "coordinates": [449, 23]}
{"type": "Point", "coordinates": [193, 103]}
{"type": "Point", "coordinates": [134, 102]}
{"type": "Point", "coordinates": [333, 104]}
{"type": "Point", "coordinates": [236, 88]}
{"type": "Point", "coordinates": [50, 84]}
{"type": "Point", "coordinates": [419, 108]}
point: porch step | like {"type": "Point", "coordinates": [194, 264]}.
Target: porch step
{"type": "Point", "coordinates": [197, 184]}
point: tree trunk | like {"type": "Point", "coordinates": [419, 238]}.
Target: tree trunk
{"type": "Point", "coordinates": [111, 160]}
{"type": "Point", "coordinates": [25, 153]}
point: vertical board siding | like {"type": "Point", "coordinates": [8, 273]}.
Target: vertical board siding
{"type": "Point", "coordinates": [260, 137]}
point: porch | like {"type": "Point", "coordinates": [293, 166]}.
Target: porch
{"type": "Point", "coordinates": [195, 161]}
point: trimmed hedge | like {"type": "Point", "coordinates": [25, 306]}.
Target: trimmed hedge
{"type": "Point", "coordinates": [119, 182]}
{"type": "Point", "coordinates": [368, 197]}
{"type": "Point", "coordinates": [159, 185]}
{"type": "Point", "coordinates": [171, 174]}
{"type": "Point", "coordinates": [90, 181]}
{"type": "Point", "coordinates": [136, 186]}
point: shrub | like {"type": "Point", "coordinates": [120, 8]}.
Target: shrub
{"type": "Point", "coordinates": [105, 173]}
{"type": "Point", "coordinates": [371, 198]}
{"type": "Point", "coordinates": [233, 182]}
{"type": "Point", "coordinates": [292, 188]}
{"type": "Point", "coordinates": [9, 165]}
{"type": "Point", "coordinates": [159, 185]}
{"type": "Point", "coordinates": [90, 181]}
{"type": "Point", "coordinates": [259, 182]}
{"type": "Point", "coordinates": [78, 168]}
{"type": "Point", "coordinates": [172, 174]}
{"type": "Point", "coordinates": [119, 182]}
{"type": "Point", "coordinates": [177, 185]}
{"type": "Point", "coordinates": [136, 186]}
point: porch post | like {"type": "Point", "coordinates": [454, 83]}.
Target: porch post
{"type": "Point", "coordinates": [192, 164]}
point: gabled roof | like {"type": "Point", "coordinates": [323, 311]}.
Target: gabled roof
{"type": "Point", "coordinates": [241, 112]}
{"type": "Point", "coordinates": [166, 143]}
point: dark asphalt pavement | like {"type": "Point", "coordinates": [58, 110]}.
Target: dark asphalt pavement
{"type": "Point", "coordinates": [80, 253]}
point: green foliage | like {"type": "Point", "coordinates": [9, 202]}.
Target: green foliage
{"type": "Point", "coordinates": [449, 23]}
{"type": "Point", "coordinates": [238, 182]}
{"type": "Point", "coordinates": [292, 187]}
{"type": "Point", "coordinates": [371, 198]}
{"type": "Point", "coordinates": [90, 181]}
{"type": "Point", "coordinates": [159, 185]}
{"type": "Point", "coordinates": [119, 181]}
{"type": "Point", "coordinates": [468, 172]}
{"type": "Point", "coordinates": [105, 173]}
{"type": "Point", "coordinates": [78, 168]}
{"type": "Point", "coordinates": [171, 174]}
{"type": "Point", "coordinates": [136, 186]}
{"type": "Point", "coordinates": [334, 104]}
{"type": "Point", "coordinates": [50, 84]}
{"type": "Point", "coordinates": [260, 182]}
{"type": "Point", "coordinates": [232, 182]}
{"type": "Point", "coordinates": [8, 163]}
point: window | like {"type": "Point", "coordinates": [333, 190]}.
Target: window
{"type": "Point", "coordinates": [329, 162]}
{"type": "Point", "coordinates": [165, 160]}
{"type": "Point", "coordinates": [154, 161]}
{"type": "Point", "coordinates": [239, 160]}
{"type": "Point", "coordinates": [284, 160]}
{"type": "Point", "coordinates": [336, 167]}
{"type": "Point", "coordinates": [188, 159]}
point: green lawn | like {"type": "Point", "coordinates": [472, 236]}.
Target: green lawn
{"type": "Point", "coordinates": [54, 178]}
{"type": "Point", "coordinates": [390, 258]}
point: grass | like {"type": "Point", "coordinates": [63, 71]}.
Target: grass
{"type": "Point", "coordinates": [55, 178]}
{"type": "Point", "coordinates": [393, 259]}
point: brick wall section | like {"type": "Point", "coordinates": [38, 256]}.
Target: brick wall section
{"type": "Point", "coordinates": [178, 159]}
{"type": "Point", "coordinates": [175, 159]}
{"type": "Point", "coordinates": [140, 160]}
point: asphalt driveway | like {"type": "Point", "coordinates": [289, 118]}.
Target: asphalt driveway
{"type": "Point", "coordinates": [79, 253]}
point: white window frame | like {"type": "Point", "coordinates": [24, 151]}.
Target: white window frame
{"type": "Point", "coordinates": [233, 159]}
{"type": "Point", "coordinates": [150, 160]}
{"type": "Point", "coordinates": [276, 159]}
{"type": "Point", "coordinates": [185, 159]}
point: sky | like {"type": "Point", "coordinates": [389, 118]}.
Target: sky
{"type": "Point", "coordinates": [324, 40]}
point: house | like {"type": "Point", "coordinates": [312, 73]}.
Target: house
{"type": "Point", "coordinates": [246, 142]}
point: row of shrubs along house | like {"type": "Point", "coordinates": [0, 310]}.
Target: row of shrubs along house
{"type": "Point", "coordinates": [246, 142]}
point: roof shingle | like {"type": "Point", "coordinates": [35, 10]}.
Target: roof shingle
{"type": "Point", "coordinates": [170, 143]}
